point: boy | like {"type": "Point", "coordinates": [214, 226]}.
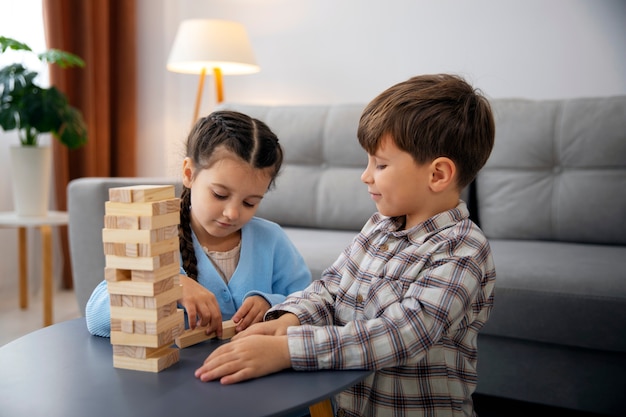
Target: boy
{"type": "Point", "coordinates": [409, 295]}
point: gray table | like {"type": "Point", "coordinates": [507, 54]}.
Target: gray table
{"type": "Point", "coordinates": [63, 371]}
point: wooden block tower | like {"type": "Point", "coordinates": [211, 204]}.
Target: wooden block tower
{"type": "Point", "coordinates": [140, 238]}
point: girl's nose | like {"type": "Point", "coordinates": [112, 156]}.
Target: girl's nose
{"type": "Point", "coordinates": [231, 212]}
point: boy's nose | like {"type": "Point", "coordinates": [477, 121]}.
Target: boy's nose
{"type": "Point", "coordinates": [366, 177]}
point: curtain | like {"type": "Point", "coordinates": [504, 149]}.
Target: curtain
{"type": "Point", "coordinates": [102, 33]}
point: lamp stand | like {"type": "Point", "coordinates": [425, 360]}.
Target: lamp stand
{"type": "Point", "coordinates": [198, 96]}
{"type": "Point", "coordinates": [219, 87]}
{"type": "Point", "coordinates": [219, 90]}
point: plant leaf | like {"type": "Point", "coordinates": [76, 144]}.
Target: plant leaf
{"type": "Point", "coordinates": [6, 43]}
{"type": "Point", "coordinates": [61, 58]}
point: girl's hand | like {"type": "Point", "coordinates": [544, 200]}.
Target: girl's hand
{"type": "Point", "coordinates": [251, 311]}
{"type": "Point", "coordinates": [246, 358]}
{"type": "Point", "coordinates": [201, 305]}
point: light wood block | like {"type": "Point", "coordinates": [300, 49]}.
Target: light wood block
{"type": "Point", "coordinates": [158, 274]}
{"type": "Point", "coordinates": [157, 363]}
{"type": "Point", "coordinates": [159, 221]}
{"type": "Point", "coordinates": [139, 236]}
{"type": "Point", "coordinates": [115, 274]}
{"type": "Point", "coordinates": [151, 302]}
{"type": "Point", "coordinates": [142, 263]}
{"type": "Point", "coordinates": [141, 222]}
{"type": "Point", "coordinates": [141, 249]}
{"type": "Point", "coordinates": [143, 314]}
{"type": "Point", "coordinates": [148, 327]}
{"type": "Point", "coordinates": [146, 289]}
{"type": "Point", "coordinates": [115, 208]}
{"type": "Point", "coordinates": [141, 193]}
{"type": "Point", "coordinates": [197, 335]}
{"type": "Point", "coordinates": [163, 338]}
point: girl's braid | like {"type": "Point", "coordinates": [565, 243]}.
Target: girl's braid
{"type": "Point", "coordinates": [184, 233]}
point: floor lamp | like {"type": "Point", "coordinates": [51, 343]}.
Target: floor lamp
{"type": "Point", "coordinates": [219, 46]}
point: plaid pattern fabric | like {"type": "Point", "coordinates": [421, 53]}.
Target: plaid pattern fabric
{"type": "Point", "coordinates": [405, 303]}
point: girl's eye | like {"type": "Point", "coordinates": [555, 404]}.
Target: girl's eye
{"type": "Point", "coordinates": [219, 196]}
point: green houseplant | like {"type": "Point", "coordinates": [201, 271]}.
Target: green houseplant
{"type": "Point", "coordinates": [33, 110]}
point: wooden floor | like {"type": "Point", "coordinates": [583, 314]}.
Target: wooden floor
{"type": "Point", "coordinates": [15, 322]}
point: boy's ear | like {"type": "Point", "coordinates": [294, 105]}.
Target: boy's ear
{"type": "Point", "coordinates": [187, 172]}
{"type": "Point", "coordinates": [443, 174]}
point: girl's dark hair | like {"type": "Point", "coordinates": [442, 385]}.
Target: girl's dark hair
{"type": "Point", "coordinates": [238, 134]}
{"type": "Point", "coordinates": [430, 116]}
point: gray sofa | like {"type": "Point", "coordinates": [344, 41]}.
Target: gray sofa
{"type": "Point", "coordinates": [551, 200]}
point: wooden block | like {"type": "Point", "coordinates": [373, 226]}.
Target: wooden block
{"type": "Point", "coordinates": [142, 263]}
{"type": "Point", "coordinates": [191, 337]}
{"type": "Point", "coordinates": [144, 314]}
{"type": "Point", "coordinates": [114, 274]}
{"type": "Point", "coordinates": [139, 352]}
{"type": "Point", "coordinates": [143, 302]}
{"type": "Point", "coordinates": [156, 208]}
{"type": "Point", "coordinates": [147, 327]}
{"type": "Point", "coordinates": [141, 193]}
{"type": "Point", "coordinates": [146, 289]}
{"type": "Point", "coordinates": [141, 222]}
{"type": "Point", "coordinates": [228, 329]}
{"type": "Point", "coordinates": [121, 222]}
{"type": "Point", "coordinates": [137, 302]}
{"type": "Point", "coordinates": [127, 326]}
{"type": "Point", "coordinates": [158, 274]}
{"type": "Point", "coordinates": [147, 340]}
{"type": "Point", "coordinates": [156, 363]}
{"type": "Point", "coordinates": [197, 335]}
{"type": "Point", "coordinates": [139, 236]}
{"type": "Point", "coordinates": [159, 221]}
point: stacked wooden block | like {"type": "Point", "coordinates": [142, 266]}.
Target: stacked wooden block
{"type": "Point", "coordinates": [141, 248]}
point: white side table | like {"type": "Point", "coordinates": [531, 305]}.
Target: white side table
{"type": "Point", "coordinates": [44, 224]}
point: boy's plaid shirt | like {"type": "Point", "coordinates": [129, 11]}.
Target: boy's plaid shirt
{"type": "Point", "coordinates": [406, 303]}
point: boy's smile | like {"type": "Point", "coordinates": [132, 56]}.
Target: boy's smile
{"type": "Point", "coordinates": [397, 184]}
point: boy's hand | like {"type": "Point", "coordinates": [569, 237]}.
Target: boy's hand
{"type": "Point", "coordinates": [276, 327]}
{"type": "Point", "coordinates": [251, 311]}
{"type": "Point", "coordinates": [201, 305]}
{"type": "Point", "coordinates": [246, 358]}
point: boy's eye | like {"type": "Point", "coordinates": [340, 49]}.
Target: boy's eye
{"type": "Point", "coordinates": [245, 203]}
{"type": "Point", "coordinates": [381, 166]}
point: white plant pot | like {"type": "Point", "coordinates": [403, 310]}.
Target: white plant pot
{"type": "Point", "coordinates": [31, 173]}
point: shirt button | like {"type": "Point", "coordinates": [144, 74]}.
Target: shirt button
{"type": "Point", "coordinates": [383, 247]}
{"type": "Point", "coordinates": [359, 298]}
{"type": "Point", "coordinates": [341, 413]}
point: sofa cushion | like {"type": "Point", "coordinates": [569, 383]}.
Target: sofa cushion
{"type": "Point", "coordinates": [557, 171]}
{"type": "Point", "coordinates": [323, 157]}
{"type": "Point", "coordinates": [562, 293]}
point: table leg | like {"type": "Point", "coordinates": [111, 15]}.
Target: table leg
{"type": "Point", "coordinates": [23, 263]}
{"type": "Point", "coordinates": [321, 409]}
{"type": "Point", "coordinates": [46, 239]}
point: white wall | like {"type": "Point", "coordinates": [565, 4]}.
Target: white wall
{"type": "Point", "coordinates": [334, 51]}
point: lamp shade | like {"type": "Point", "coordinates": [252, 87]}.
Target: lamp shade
{"type": "Point", "coordinates": [209, 43]}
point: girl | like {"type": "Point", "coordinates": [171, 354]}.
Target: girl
{"type": "Point", "coordinates": [233, 265]}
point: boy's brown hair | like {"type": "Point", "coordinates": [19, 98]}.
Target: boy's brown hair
{"type": "Point", "coordinates": [431, 116]}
